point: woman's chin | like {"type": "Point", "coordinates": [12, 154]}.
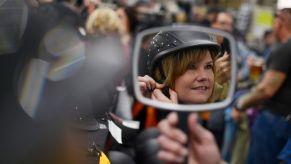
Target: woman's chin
{"type": "Point", "coordinates": [195, 101]}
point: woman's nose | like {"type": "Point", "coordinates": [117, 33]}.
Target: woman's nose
{"type": "Point", "coordinates": [202, 75]}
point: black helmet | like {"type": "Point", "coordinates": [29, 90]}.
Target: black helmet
{"type": "Point", "coordinates": [165, 43]}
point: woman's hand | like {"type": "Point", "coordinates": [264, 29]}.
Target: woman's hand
{"type": "Point", "coordinates": [159, 96]}
{"type": "Point", "coordinates": [201, 148]}
{"type": "Point", "coordinates": [148, 84]}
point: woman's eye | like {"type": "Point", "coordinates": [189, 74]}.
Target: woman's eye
{"type": "Point", "coordinates": [209, 66]}
{"type": "Point", "coordinates": [192, 66]}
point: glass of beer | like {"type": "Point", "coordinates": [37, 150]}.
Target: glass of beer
{"type": "Point", "coordinates": [256, 69]}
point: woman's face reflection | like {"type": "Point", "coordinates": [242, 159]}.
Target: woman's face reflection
{"type": "Point", "coordinates": [195, 86]}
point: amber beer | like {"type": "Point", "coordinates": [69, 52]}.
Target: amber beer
{"type": "Point", "coordinates": [256, 70]}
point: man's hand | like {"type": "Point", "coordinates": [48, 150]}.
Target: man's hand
{"type": "Point", "coordinates": [172, 140]}
{"type": "Point", "coordinates": [201, 148]}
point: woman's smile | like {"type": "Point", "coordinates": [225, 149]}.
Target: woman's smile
{"type": "Point", "coordinates": [200, 88]}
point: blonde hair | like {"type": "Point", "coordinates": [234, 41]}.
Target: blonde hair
{"type": "Point", "coordinates": [174, 65]}
{"type": "Point", "coordinates": [103, 20]}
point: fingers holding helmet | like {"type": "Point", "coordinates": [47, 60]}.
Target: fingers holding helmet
{"type": "Point", "coordinates": [160, 96]}
{"type": "Point", "coordinates": [148, 85]}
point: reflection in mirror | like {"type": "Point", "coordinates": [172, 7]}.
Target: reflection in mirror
{"type": "Point", "coordinates": [185, 67]}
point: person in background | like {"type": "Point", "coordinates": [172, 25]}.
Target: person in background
{"type": "Point", "coordinates": [128, 29]}
{"type": "Point", "coordinates": [93, 88]}
{"type": "Point", "coordinates": [221, 123]}
{"type": "Point", "coordinates": [89, 7]}
{"type": "Point", "coordinates": [221, 21]}
{"type": "Point", "coordinates": [269, 41]}
{"type": "Point", "coordinates": [272, 128]}
{"type": "Point", "coordinates": [127, 16]}
{"type": "Point", "coordinates": [103, 21]}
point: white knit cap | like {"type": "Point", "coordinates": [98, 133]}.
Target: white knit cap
{"type": "Point", "coordinates": [283, 4]}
